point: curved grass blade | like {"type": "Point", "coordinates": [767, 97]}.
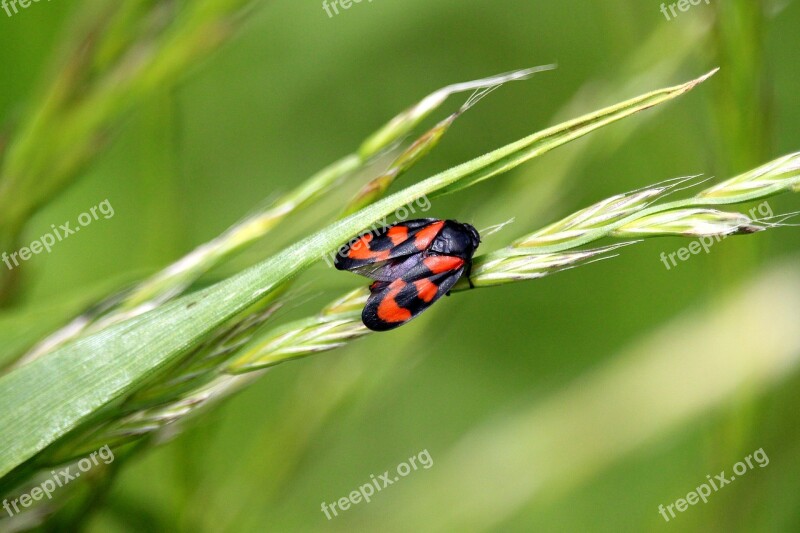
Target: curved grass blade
{"type": "Point", "coordinates": [43, 401]}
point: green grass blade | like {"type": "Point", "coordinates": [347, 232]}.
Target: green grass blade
{"type": "Point", "coordinates": [43, 401]}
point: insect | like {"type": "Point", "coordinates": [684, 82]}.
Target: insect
{"type": "Point", "coordinates": [413, 263]}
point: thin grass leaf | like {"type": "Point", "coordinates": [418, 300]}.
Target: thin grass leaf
{"type": "Point", "coordinates": [46, 399]}
{"type": "Point", "coordinates": [695, 222]}
{"type": "Point", "coordinates": [118, 54]}
{"type": "Point", "coordinates": [377, 187]}
{"type": "Point", "coordinates": [174, 280]}
{"type": "Point", "coordinates": [690, 216]}
{"type": "Point", "coordinates": [406, 121]}
{"type": "Point", "coordinates": [624, 215]}
{"type": "Point", "coordinates": [339, 323]}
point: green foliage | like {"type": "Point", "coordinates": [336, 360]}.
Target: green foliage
{"type": "Point", "coordinates": [133, 367]}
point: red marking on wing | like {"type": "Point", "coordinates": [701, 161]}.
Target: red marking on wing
{"type": "Point", "coordinates": [360, 250]}
{"type": "Point", "coordinates": [426, 289]}
{"type": "Point", "coordinates": [388, 310]}
{"type": "Point", "coordinates": [398, 234]}
{"type": "Point", "coordinates": [442, 263]}
{"type": "Point", "coordinates": [425, 236]}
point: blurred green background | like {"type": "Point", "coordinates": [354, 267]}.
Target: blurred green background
{"type": "Point", "coordinates": [296, 89]}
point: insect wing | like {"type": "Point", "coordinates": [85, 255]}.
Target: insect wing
{"type": "Point", "coordinates": [389, 270]}
{"type": "Point", "coordinates": [379, 247]}
{"type": "Point", "coordinates": [393, 303]}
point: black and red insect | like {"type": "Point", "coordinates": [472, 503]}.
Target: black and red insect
{"type": "Point", "coordinates": [413, 263]}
